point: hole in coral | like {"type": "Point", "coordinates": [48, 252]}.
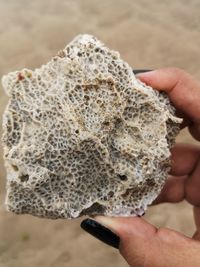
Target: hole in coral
{"type": "Point", "coordinates": [110, 194]}
{"type": "Point", "coordinates": [118, 121]}
{"type": "Point", "coordinates": [122, 177]}
{"type": "Point", "coordinates": [24, 178]}
{"type": "Point", "coordinates": [15, 168]}
{"type": "Point", "coordinates": [106, 123]}
{"type": "Point", "coordinates": [150, 182]}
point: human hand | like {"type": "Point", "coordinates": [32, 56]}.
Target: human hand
{"type": "Point", "coordinates": [142, 244]}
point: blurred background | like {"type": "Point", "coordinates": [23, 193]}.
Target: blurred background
{"type": "Point", "coordinates": [148, 34]}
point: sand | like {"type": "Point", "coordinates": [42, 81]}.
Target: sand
{"type": "Point", "coordinates": [149, 34]}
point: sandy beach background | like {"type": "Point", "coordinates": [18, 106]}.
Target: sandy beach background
{"type": "Point", "coordinates": [148, 34]}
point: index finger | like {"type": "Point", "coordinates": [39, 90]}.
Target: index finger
{"type": "Point", "coordinates": [182, 88]}
{"type": "Point", "coordinates": [184, 159]}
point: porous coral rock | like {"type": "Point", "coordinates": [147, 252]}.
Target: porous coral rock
{"type": "Point", "coordinates": [82, 135]}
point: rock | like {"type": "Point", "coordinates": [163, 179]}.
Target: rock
{"type": "Point", "coordinates": [83, 136]}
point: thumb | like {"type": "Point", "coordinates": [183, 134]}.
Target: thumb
{"type": "Point", "coordinates": [181, 87]}
{"type": "Point", "coordinates": [143, 245]}
{"type": "Point", "coordinates": [136, 236]}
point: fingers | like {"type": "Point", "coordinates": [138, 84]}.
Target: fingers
{"type": "Point", "coordinates": [182, 88]}
{"type": "Point", "coordinates": [173, 191]}
{"type": "Point", "coordinates": [185, 182]}
{"type": "Point", "coordinates": [142, 245]}
{"type": "Point", "coordinates": [194, 129]}
{"type": "Point", "coordinates": [184, 158]}
{"type": "Point", "coordinates": [192, 186]}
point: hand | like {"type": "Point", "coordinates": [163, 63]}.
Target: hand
{"type": "Point", "coordinates": [142, 244]}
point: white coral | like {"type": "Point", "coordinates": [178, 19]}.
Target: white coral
{"type": "Point", "coordinates": [83, 136]}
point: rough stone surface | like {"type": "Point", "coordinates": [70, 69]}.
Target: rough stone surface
{"type": "Point", "coordinates": [83, 136]}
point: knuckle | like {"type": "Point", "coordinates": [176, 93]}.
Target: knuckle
{"type": "Point", "coordinates": [169, 236]}
{"type": "Point", "coordinates": [180, 74]}
{"type": "Point", "coordinates": [163, 232]}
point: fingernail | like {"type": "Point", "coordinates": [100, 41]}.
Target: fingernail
{"type": "Point", "coordinates": [139, 71]}
{"type": "Point", "coordinates": [101, 232]}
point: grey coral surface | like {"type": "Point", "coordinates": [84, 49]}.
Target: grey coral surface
{"type": "Point", "coordinates": [83, 136]}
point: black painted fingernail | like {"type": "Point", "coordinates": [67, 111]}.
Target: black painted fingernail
{"type": "Point", "coordinates": [140, 71]}
{"type": "Point", "coordinates": [100, 232]}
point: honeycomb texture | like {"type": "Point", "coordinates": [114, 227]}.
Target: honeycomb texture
{"type": "Point", "coordinates": [83, 136]}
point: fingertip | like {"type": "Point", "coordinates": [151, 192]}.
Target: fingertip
{"type": "Point", "coordinates": [146, 77]}
{"type": "Point", "coordinates": [163, 79]}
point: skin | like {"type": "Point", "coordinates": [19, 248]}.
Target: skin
{"type": "Point", "coordinates": [142, 244]}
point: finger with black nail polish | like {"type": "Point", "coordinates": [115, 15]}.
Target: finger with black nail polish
{"type": "Point", "coordinates": [100, 232]}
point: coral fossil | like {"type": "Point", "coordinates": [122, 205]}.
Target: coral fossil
{"type": "Point", "coordinates": [83, 136]}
